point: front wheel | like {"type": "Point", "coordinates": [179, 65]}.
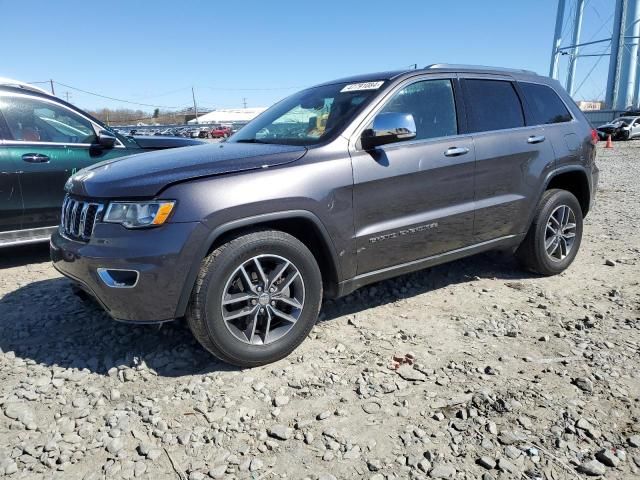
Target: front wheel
{"type": "Point", "coordinates": [256, 298]}
{"type": "Point", "coordinates": [555, 234]}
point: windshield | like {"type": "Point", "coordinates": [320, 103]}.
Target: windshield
{"type": "Point", "coordinates": [625, 120]}
{"type": "Point", "coordinates": [309, 117]}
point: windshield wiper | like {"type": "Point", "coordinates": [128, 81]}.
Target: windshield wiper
{"type": "Point", "coordinates": [250, 140]}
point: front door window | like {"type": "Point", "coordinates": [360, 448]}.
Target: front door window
{"type": "Point", "coordinates": [34, 121]}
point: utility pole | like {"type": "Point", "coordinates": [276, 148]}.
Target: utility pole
{"type": "Point", "coordinates": [53, 92]}
{"type": "Point", "coordinates": [244, 102]}
{"type": "Point", "coordinates": [557, 40]}
{"type": "Point", "coordinates": [66, 95]}
{"type": "Point", "coordinates": [195, 105]}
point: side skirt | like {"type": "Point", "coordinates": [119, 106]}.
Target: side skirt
{"type": "Point", "coordinates": [348, 286]}
{"type": "Point", "coordinates": [24, 237]}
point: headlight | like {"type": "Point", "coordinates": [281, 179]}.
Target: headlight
{"type": "Point", "coordinates": [139, 214]}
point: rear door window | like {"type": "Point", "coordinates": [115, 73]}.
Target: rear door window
{"type": "Point", "coordinates": [545, 104]}
{"type": "Point", "coordinates": [492, 105]}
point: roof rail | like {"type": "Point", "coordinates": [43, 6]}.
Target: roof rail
{"type": "Point", "coordinates": [17, 83]}
{"type": "Point", "coordinates": [453, 66]}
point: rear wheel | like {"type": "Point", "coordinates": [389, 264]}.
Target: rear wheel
{"type": "Point", "coordinates": [555, 234]}
{"type": "Point", "coordinates": [256, 298]}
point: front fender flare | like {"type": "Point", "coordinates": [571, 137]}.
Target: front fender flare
{"type": "Point", "coordinates": [220, 230]}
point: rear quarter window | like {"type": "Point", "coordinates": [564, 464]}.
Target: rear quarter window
{"type": "Point", "coordinates": [545, 104]}
{"type": "Point", "coordinates": [492, 105]}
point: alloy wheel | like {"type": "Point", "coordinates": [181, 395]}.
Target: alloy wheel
{"type": "Point", "coordinates": [263, 299]}
{"type": "Point", "coordinates": [560, 233]}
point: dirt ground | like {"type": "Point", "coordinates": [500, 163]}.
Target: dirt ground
{"type": "Point", "coordinates": [515, 376]}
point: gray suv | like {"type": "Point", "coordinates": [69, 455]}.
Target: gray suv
{"type": "Point", "coordinates": [337, 186]}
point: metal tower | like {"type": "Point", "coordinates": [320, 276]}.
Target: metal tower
{"type": "Point", "coordinates": [623, 82]}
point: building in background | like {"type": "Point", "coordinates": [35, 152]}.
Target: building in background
{"type": "Point", "coordinates": [229, 115]}
{"type": "Point", "coordinates": [588, 106]}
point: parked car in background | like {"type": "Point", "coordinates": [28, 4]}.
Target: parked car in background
{"type": "Point", "coordinates": [622, 128]}
{"type": "Point", "coordinates": [43, 141]}
{"type": "Point", "coordinates": [221, 132]}
{"type": "Point", "coordinates": [374, 176]}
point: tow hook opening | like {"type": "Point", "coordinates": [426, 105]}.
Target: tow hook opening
{"type": "Point", "coordinates": [118, 278]}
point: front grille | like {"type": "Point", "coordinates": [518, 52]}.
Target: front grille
{"type": "Point", "coordinates": [79, 217]}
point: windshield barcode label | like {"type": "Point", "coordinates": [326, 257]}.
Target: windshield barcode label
{"type": "Point", "coordinates": [354, 87]}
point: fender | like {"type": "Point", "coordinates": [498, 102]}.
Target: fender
{"type": "Point", "coordinates": [246, 222]}
{"type": "Point", "coordinates": [554, 173]}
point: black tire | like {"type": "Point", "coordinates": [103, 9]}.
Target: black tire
{"type": "Point", "coordinates": [532, 252]}
{"type": "Point", "coordinates": [204, 313]}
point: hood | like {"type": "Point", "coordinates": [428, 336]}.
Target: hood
{"type": "Point", "coordinates": [613, 125]}
{"type": "Point", "coordinates": [146, 174]}
{"type": "Point", "coordinates": [157, 142]}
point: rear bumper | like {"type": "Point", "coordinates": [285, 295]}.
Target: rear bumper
{"type": "Point", "coordinates": [161, 256]}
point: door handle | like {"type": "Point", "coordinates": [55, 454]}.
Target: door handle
{"type": "Point", "coordinates": [456, 151]}
{"type": "Point", "coordinates": [536, 139]}
{"type": "Point", "coordinates": [35, 158]}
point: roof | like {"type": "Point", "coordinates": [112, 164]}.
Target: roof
{"type": "Point", "coordinates": [445, 67]}
{"type": "Point", "coordinates": [8, 82]}
{"type": "Point", "coordinates": [476, 68]}
{"type": "Point", "coordinates": [367, 77]}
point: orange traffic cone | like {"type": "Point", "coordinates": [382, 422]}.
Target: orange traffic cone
{"type": "Point", "coordinates": [609, 143]}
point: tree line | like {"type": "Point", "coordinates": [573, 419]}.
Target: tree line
{"type": "Point", "coordinates": [127, 116]}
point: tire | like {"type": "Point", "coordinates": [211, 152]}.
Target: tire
{"type": "Point", "coordinates": [533, 253]}
{"type": "Point", "coordinates": [236, 340]}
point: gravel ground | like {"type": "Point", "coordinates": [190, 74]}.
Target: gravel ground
{"type": "Point", "coordinates": [503, 375]}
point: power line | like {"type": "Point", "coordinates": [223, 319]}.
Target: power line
{"type": "Point", "coordinates": [251, 89]}
{"type": "Point", "coordinates": [113, 98]}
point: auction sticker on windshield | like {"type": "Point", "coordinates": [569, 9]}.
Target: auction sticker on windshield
{"type": "Point", "coordinates": [355, 87]}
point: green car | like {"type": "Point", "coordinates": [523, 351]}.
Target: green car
{"type": "Point", "coordinates": [43, 141]}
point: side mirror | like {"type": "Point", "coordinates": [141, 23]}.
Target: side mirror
{"type": "Point", "coordinates": [389, 128]}
{"type": "Point", "coordinates": [106, 140]}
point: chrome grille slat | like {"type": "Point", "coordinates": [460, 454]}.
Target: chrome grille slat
{"type": "Point", "coordinates": [98, 212]}
{"type": "Point", "coordinates": [64, 208]}
{"type": "Point", "coordinates": [69, 208]}
{"type": "Point", "coordinates": [74, 217]}
{"type": "Point", "coordinates": [78, 218]}
{"type": "Point", "coordinates": [83, 218]}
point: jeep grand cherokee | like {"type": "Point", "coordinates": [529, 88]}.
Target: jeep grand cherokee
{"type": "Point", "coordinates": [335, 187]}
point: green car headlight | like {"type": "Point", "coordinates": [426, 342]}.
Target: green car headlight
{"type": "Point", "coordinates": [139, 214]}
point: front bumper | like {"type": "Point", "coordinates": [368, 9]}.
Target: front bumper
{"type": "Point", "coordinates": [162, 256]}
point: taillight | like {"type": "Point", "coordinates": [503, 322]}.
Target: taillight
{"type": "Point", "coordinates": [594, 136]}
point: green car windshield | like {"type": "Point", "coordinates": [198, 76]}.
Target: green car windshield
{"type": "Point", "coordinates": [309, 117]}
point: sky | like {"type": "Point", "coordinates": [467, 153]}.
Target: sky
{"type": "Point", "coordinates": [154, 52]}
